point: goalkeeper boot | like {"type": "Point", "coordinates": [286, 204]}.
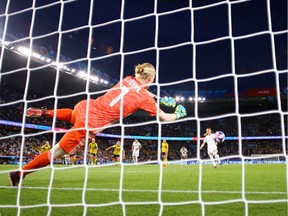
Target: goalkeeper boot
{"type": "Point", "coordinates": [35, 112]}
{"type": "Point", "coordinates": [14, 178]}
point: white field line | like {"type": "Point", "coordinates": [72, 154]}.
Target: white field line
{"type": "Point", "coordinates": [145, 191]}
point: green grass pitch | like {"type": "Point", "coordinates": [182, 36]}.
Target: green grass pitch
{"type": "Point", "coordinates": [218, 192]}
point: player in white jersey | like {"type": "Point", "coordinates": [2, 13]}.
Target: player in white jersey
{"type": "Point", "coordinates": [67, 159]}
{"type": "Point", "coordinates": [136, 145]}
{"type": "Point", "coordinates": [184, 154]}
{"type": "Point", "coordinates": [212, 146]}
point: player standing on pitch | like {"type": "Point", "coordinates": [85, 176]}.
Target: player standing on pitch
{"type": "Point", "coordinates": [136, 146]}
{"type": "Point", "coordinates": [212, 146]}
{"type": "Point", "coordinates": [73, 159]}
{"type": "Point", "coordinates": [67, 160]}
{"type": "Point", "coordinates": [184, 154]}
{"type": "Point", "coordinates": [164, 151]}
{"type": "Point", "coordinates": [126, 97]}
{"type": "Point", "coordinates": [45, 147]}
{"type": "Point", "coordinates": [93, 150]}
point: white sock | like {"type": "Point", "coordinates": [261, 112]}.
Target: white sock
{"type": "Point", "coordinates": [217, 158]}
{"type": "Point", "coordinates": [213, 161]}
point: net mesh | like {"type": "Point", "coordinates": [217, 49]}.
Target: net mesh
{"type": "Point", "coordinates": [66, 51]}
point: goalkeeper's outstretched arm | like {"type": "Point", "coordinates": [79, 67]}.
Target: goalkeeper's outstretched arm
{"type": "Point", "coordinates": [179, 112]}
{"type": "Point", "coordinates": [165, 101]}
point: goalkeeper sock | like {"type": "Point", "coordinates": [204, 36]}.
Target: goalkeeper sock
{"type": "Point", "coordinates": [165, 161]}
{"type": "Point", "coordinates": [41, 160]}
{"type": "Point", "coordinates": [61, 114]}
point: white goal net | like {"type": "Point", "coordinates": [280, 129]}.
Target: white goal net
{"type": "Point", "coordinates": [224, 61]}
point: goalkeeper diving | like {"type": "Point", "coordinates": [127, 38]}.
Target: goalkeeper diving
{"type": "Point", "coordinates": [125, 98]}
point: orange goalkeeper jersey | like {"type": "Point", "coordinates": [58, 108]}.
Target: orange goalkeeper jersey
{"type": "Point", "coordinates": [106, 109]}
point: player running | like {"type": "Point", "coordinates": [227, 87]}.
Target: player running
{"type": "Point", "coordinates": [93, 150]}
{"type": "Point", "coordinates": [212, 146]}
{"type": "Point", "coordinates": [136, 146]}
{"type": "Point", "coordinates": [117, 151]}
{"type": "Point", "coordinates": [126, 97]}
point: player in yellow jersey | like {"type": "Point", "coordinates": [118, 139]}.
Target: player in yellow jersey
{"type": "Point", "coordinates": [117, 151]}
{"type": "Point", "coordinates": [164, 151]}
{"type": "Point", "coordinates": [73, 159]}
{"type": "Point", "coordinates": [93, 150]}
{"type": "Point", "coordinates": [45, 147]}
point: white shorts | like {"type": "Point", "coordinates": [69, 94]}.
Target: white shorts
{"type": "Point", "coordinates": [212, 149]}
{"type": "Point", "coordinates": [135, 154]}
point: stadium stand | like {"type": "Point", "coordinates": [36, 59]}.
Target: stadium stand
{"type": "Point", "coordinates": [10, 148]}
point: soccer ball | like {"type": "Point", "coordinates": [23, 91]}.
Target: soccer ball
{"type": "Point", "coordinates": [219, 136]}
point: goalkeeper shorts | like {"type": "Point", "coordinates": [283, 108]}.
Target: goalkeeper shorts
{"type": "Point", "coordinates": [74, 140]}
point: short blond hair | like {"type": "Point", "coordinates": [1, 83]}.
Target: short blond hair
{"type": "Point", "coordinates": [145, 70]}
{"type": "Point", "coordinates": [208, 129]}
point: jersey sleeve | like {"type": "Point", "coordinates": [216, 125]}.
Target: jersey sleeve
{"type": "Point", "coordinates": [149, 105]}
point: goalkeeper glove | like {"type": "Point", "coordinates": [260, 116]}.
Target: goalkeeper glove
{"type": "Point", "coordinates": [169, 102]}
{"type": "Point", "coordinates": [180, 111]}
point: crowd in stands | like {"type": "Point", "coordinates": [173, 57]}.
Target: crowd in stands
{"type": "Point", "coordinates": [17, 141]}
